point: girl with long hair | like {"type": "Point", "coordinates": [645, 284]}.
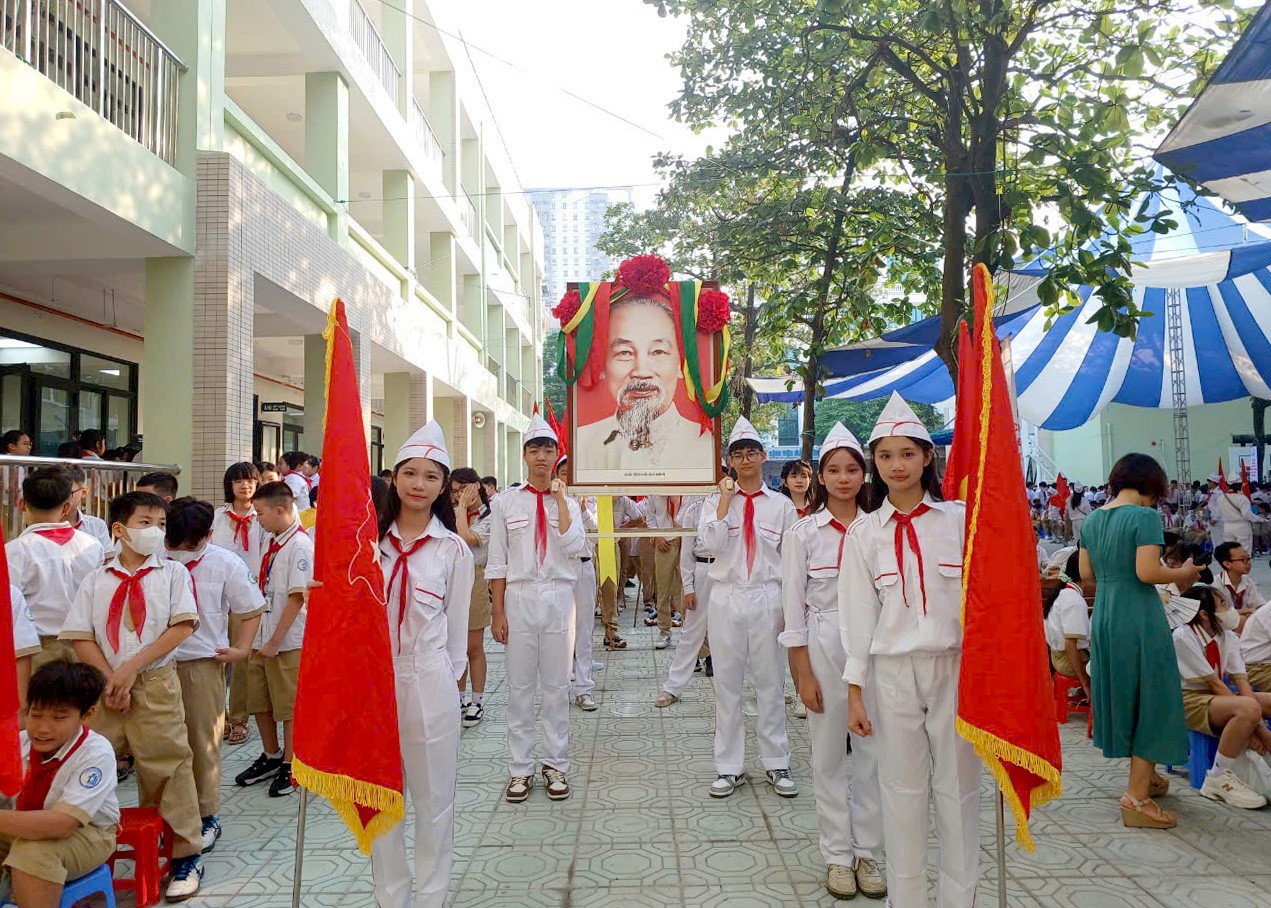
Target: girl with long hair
{"type": "Point", "coordinates": [799, 485]}
{"type": "Point", "coordinates": [472, 521]}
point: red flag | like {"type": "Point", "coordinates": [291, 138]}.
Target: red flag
{"type": "Point", "coordinates": [1222, 478]}
{"type": "Point", "coordinates": [955, 474]}
{"type": "Point", "coordinates": [557, 426]}
{"type": "Point", "coordinates": [10, 748]}
{"type": "Point", "coordinates": [1005, 695]}
{"type": "Point", "coordinates": [1244, 480]}
{"type": "Point", "coordinates": [1062, 493]}
{"type": "Point", "coordinates": [346, 741]}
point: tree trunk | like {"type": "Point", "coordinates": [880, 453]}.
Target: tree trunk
{"type": "Point", "coordinates": [750, 325]}
{"type": "Point", "coordinates": [808, 433]}
{"type": "Point", "coordinates": [953, 284]}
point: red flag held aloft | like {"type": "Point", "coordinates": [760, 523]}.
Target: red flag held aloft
{"type": "Point", "coordinates": [1244, 481]}
{"type": "Point", "coordinates": [1222, 478]}
{"type": "Point", "coordinates": [956, 477]}
{"type": "Point", "coordinates": [346, 739]}
{"type": "Point", "coordinates": [1062, 493]}
{"type": "Point", "coordinates": [10, 748]}
{"type": "Point", "coordinates": [1005, 694]}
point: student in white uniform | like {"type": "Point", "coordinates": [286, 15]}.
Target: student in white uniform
{"type": "Point", "coordinates": [93, 526]}
{"type": "Point", "coordinates": [1078, 508]}
{"type": "Point", "coordinates": [26, 644]}
{"type": "Point", "coordinates": [1208, 655]}
{"type": "Point", "coordinates": [536, 533]}
{"type": "Point", "coordinates": [741, 528]}
{"type": "Point", "coordinates": [581, 683]}
{"type": "Point", "coordinates": [1235, 580]}
{"type": "Point", "coordinates": [472, 522]}
{"type": "Point", "coordinates": [696, 585]}
{"type": "Point", "coordinates": [428, 573]}
{"type": "Point", "coordinates": [1232, 515]}
{"type": "Point", "coordinates": [289, 468]}
{"type": "Point", "coordinates": [900, 604]}
{"type": "Point", "coordinates": [1255, 649]}
{"type": "Point", "coordinates": [847, 801]}
{"type": "Point", "coordinates": [1067, 623]}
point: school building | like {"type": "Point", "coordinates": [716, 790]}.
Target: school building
{"type": "Point", "coordinates": [186, 185]}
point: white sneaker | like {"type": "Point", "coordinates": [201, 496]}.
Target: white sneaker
{"type": "Point", "coordinates": [1227, 787]}
{"type": "Point", "coordinates": [782, 784]}
{"type": "Point", "coordinates": [586, 702]}
{"type": "Point", "coordinates": [840, 881]}
{"type": "Point", "coordinates": [726, 785]}
{"type": "Point", "coordinates": [556, 784]}
{"type": "Point", "coordinates": [665, 699]}
{"type": "Point", "coordinates": [187, 877]}
{"type": "Point", "coordinates": [801, 712]}
{"type": "Point", "coordinates": [869, 879]}
{"type": "Point", "coordinates": [663, 641]}
{"type": "Point", "coordinates": [597, 666]}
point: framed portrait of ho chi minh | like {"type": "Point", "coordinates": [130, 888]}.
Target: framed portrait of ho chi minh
{"type": "Point", "coordinates": [645, 361]}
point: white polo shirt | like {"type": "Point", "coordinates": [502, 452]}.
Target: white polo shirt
{"type": "Point", "coordinates": [224, 534]}
{"type": "Point", "coordinates": [49, 562]}
{"type": "Point", "coordinates": [97, 528]}
{"type": "Point", "coordinates": [1255, 642]}
{"type": "Point", "coordinates": [26, 642]}
{"type": "Point", "coordinates": [84, 787]}
{"type": "Point", "coordinates": [289, 571]}
{"type": "Point", "coordinates": [1068, 617]}
{"type": "Point", "coordinates": [222, 585]}
{"type": "Point", "coordinates": [299, 488]}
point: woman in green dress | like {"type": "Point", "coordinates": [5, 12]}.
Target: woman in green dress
{"type": "Point", "coordinates": [1137, 702]}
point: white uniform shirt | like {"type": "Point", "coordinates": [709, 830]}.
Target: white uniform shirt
{"type": "Point", "coordinates": [222, 585]}
{"type": "Point", "coordinates": [1255, 642]}
{"type": "Point", "coordinates": [1252, 596]}
{"type": "Point", "coordinates": [84, 786]}
{"type": "Point", "coordinates": [724, 540]}
{"type": "Point", "coordinates": [49, 562]}
{"type": "Point", "coordinates": [438, 595]}
{"type": "Point", "coordinates": [225, 535]}
{"type": "Point", "coordinates": [1193, 667]}
{"type": "Point", "coordinates": [875, 617]}
{"type": "Point", "coordinates": [299, 488]}
{"type": "Point", "coordinates": [1068, 617]}
{"type": "Point", "coordinates": [95, 527]}
{"type": "Point", "coordinates": [290, 571]}
{"type": "Point", "coordinates": [691, 549]}
{"type": "Point", "coordinates": [657, 510]}
{"type": "Point", "coordinates": [26, 642]}
{"type": "Point", "coordinates": [512, 553]}
{"type": "Point", "coordinates": [169, 601]}
{"type": "Point", "coordinates": [810, 573]}
{"type": "Point", "coordinates": [479, 526]}
{"type": "Point", "coordinates": [587, 509]}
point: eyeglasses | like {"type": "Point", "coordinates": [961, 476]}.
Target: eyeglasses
{"type": "Point", "coordinates": [1246, 559]}
{"type": "Point", "coordinates": [747, 455]}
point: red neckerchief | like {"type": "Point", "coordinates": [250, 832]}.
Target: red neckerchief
{"type": "Point", "coordinates": [129, 589]}
{"type": "Point", "coordinates": [190, 567]}
{"type": "Point", "coordinates": [672, 506]}
{"type": "Point", "coordinates": [40, 772]}
{"type": "Point", "coordinates": [540, 523]}
{"type": "Point", "coordinates": [267, 563]}
{"type": "Point", "coordinates": [242, 527]}
{"type": "Point", "coordinates": [748, 528]}
{"type": "Point", "coordinates": [59, 535]}
{"type": "Point", "coordinates": [1213, 655]}
{"type": "Point", "coordinates": [837, 524]}
{"type": "Point", "coordinates": [803, 512]}
{"type": "Point", "coordinates": [905, 532]}
{"type": "Point", "coordinates": [402, 565]}
{"type": "Point", "coordinates": [1238, 597]}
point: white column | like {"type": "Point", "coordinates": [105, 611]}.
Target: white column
{"type": "Point", "coordinates": [315, 371]}
{"type": "Point", "coordinates": [407, 406]}
{"type": "Point", "coordinates": [167, 380]}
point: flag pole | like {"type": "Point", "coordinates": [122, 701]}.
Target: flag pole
{"type": "Point", "coordinates": [300, 847]}
{"type": "Point", "coordinates": [1001, 850]}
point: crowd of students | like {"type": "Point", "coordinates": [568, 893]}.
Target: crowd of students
{"type": "Point", "coordinates": [849, 577]}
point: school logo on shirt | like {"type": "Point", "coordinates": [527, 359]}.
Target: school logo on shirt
{"type": "Point", "coordinates": [303, 564]}
{"type": "Point", "coordinates": [91, 777]}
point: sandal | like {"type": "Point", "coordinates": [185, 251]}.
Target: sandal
{"type": "Point", "coordinates": [1135, 816]}
{"type": "Point", "coordinates": [236, 734]}
{"type": "Point", "coordinates": [1158, 787]}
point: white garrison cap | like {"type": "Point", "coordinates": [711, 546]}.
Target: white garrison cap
{"type": "Point", "coordinates": [743, 431]}
{"type": "Point", "coordinates": [539, 429]}
{"type": "Point", "coordinates": [898, 418]}
{"type": "Point", "coordinates": [426, 442]}
{"type": "Point", "coordinates": [1215, 478]}
{"type": "Point", "coordinates": [840, 436]}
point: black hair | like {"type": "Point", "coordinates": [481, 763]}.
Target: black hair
{"type": "Point", "coordinates": [243, 470]}
{"type": "Point", "coordinates": [384, 474]}
{"type": "Point", "coordinates": [89, 439]}
{"type": "Point", "coordinates": [162, 483]}
{"type": "Point", "coordinates": [1223, 553]}
{"type": "Point", "coordinates": [1208, 600]}
{"type": "Point", "coordinates": [930, 475]}
{"type": "Point", "coordinates": [1140, 473]}
{"type": "Point", "coordinates": [489, 481]}
{"type": "Point", "coordinates": [379, 495]}
{"type": "Point", "coordinates": [742, 443]}
{"type": "Point", "coordinates": [314, 461]}
{"type": "Point", "coordinates": [540, 442]}
{"type": "Point", "coordinates": [275, 494]}
{"type": "Point", "coordinates": [72, 472]}
{"type": "Point", "coordinates": [46, 488]}
{"type": "Point", "coordinates": [293, 459]}
{"type": "Point", "coordinates": [1050, 592]}
{"type": "Point", "coordinates": [814, 489]}
{"type": "Point", "coordinates": [468, 476]}
{"type": "Point", "coordinates": [263, 465]}
{"type": "Point", "coordinates": [1074, 501]}
{"type": "Point", "coordinates": [122, 507]}
{"type": "Point", "coordinates": [864, 496]}
{"type": "Point", "coordinates": [442, 507]}
{"type": "Point", "coordinates": [189, 521]}
{"type": "Point", "coordinates": [11, 438]}
{"type": "Point", "coordinates": [70, 450]}
{"type": "Point", "coordinates": [59, 683]}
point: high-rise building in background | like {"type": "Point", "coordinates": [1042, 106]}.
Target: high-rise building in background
{"type": "Point", "coordinates": [573, 220]}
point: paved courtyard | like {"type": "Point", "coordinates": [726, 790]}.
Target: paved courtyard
{"type": "Point", "coordinates": [641, 830]}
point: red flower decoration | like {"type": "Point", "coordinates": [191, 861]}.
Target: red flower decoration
{"type": "Point", "coordinates": [712, 310]}
{"type": "Point", "coordinates": [644, 275]}
{"type": "Point", "coordinates": [568, 307]}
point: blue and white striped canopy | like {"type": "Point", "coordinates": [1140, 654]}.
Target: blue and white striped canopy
{"type": "Point", "coordinates": [1070, 371]}
{"type": "Point", "coordinates": [1224, 140]}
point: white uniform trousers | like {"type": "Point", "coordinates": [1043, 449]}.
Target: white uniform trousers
{"type": "Point", "coordinates": [744, 621]}
{"type": "Point", "coordinates": [922, 758]}
{"type": "Point", "coordinates": [540, 651]}
{"type": "Point", "coordinates": [1237, 531]}
{"type": "Point", "coordinates": [428, 728]}
{"type": "Point", "coordinates": [1076, 529]}
{"type": "Point", "coordinates": [584, 633]}
{"type": "Point", "coordinates": [692, 635]}
{"type": "Point", "coordinates": [848, 809]}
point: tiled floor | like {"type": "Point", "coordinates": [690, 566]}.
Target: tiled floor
{"type": "Point", "coordinates": [640, 829]}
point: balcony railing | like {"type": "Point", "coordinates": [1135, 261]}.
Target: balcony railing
{"type": "Point", "coordinates": [468, 214]}
{"type": "Point", "coordinates": [367, 37]}
{"type": "Point", "coordinates": [103, 55]}
{"type": "Point", "coordinates": [425, 138]}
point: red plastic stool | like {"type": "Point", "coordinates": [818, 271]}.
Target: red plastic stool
{"type": "Point", "coordinates": [145, 840]}
{"type": "Point", "coordinates": [1063, 706]}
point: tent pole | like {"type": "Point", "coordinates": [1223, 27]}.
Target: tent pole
{"type": "Point", "coordinates": [1001, 849]}
{"type": "Point", "coordinates": [300, 847]}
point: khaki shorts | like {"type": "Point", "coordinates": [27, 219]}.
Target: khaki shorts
{"type": "Point", "coordinates": [53, 650]}
{"type": "Point", "coordinates": [1059, 661]}
{"type": "Point", "coordinates": [271, 684]}
{"type": "Point", "coordinates": [480, 615]}
{"type": "Point", "coordinates": [1260, 676]}
{"type": "Point", "coordinates": [1196, 710]}
{"type": "Point", "coordinates": [59, 860]}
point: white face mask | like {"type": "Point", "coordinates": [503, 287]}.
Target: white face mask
{"type": "Point", "coordinates": [146, 541]}
{"type": "Point", "coordinates": [186, 557]}
{"type": "Point", "coordinates": [1229, 618]}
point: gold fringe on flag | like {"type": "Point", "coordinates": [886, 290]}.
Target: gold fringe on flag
{"type": "Point", "coordinates": [345, 793]}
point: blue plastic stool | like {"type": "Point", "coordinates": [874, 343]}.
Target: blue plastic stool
{"type": "Point", "coordinates": [95, 883]}
{"type": "Point", "coordinates": [1204, 748]}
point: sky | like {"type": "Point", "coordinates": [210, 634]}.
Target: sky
{"type": "Point", "coordinates": [610, 52]}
